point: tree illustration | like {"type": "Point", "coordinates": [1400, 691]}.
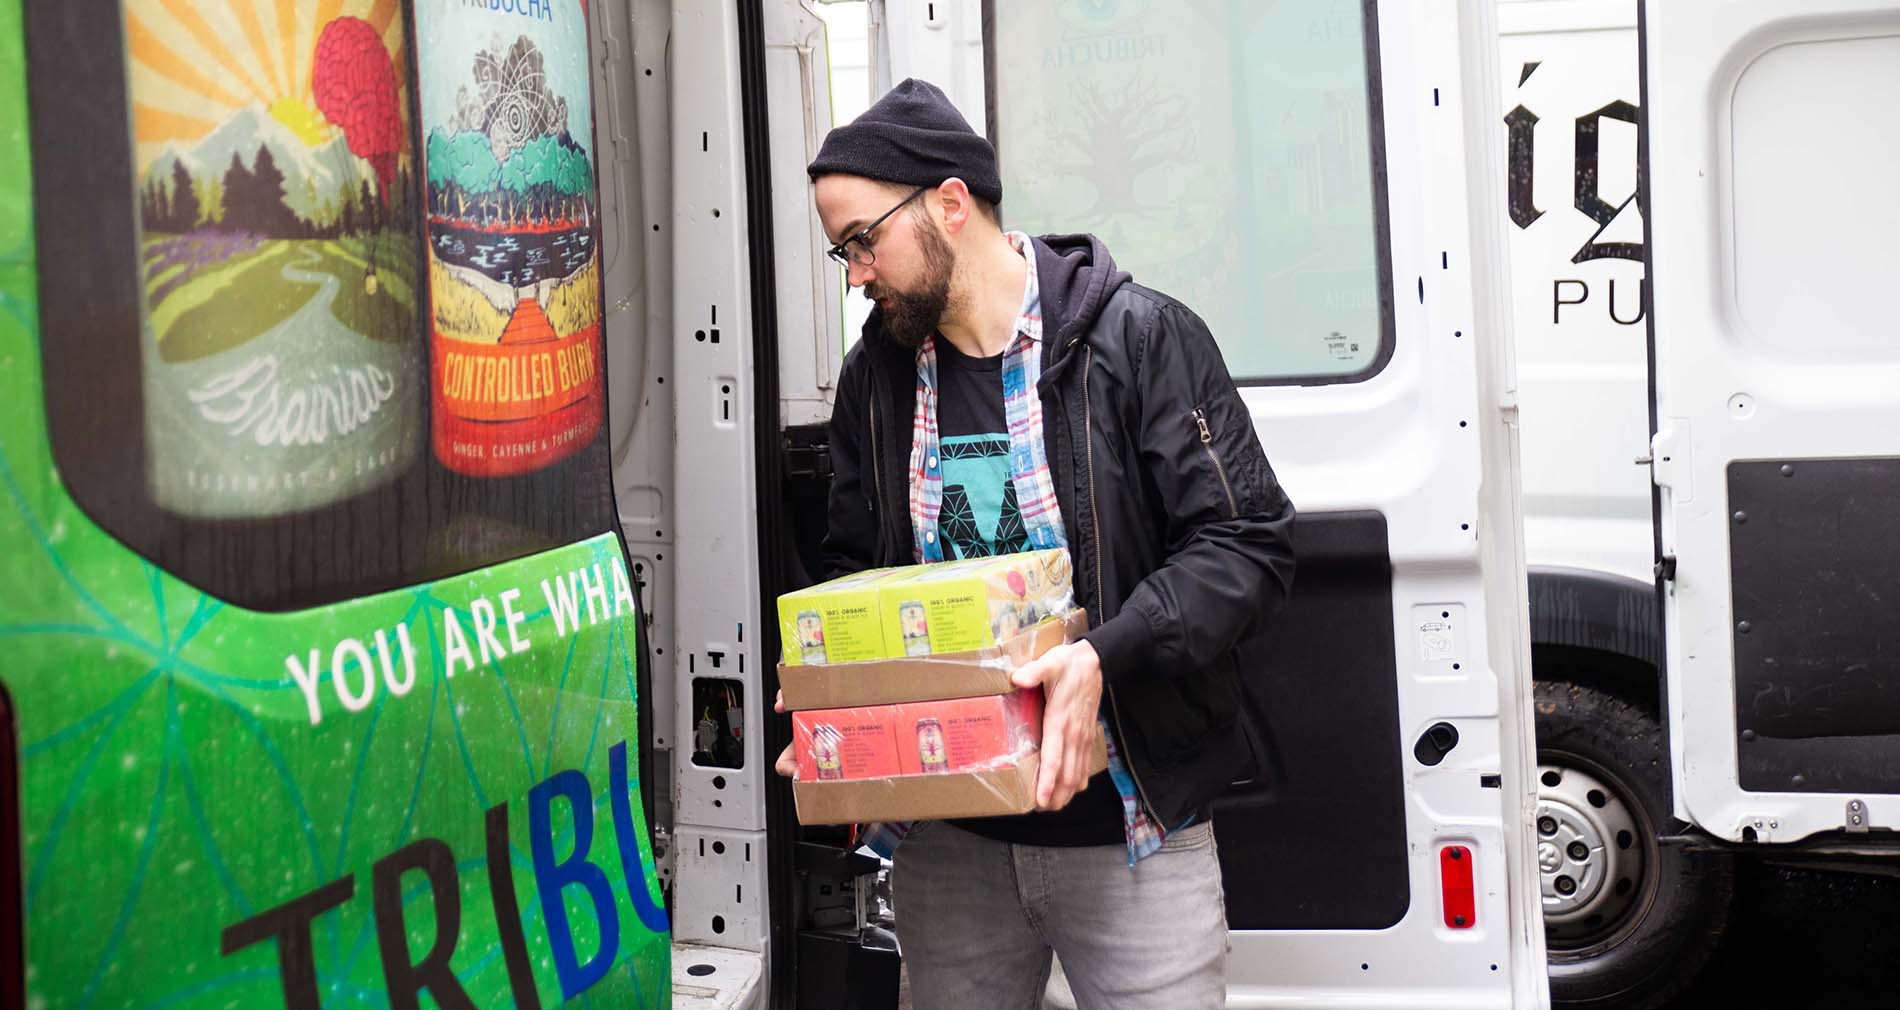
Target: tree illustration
{"type": "Point", "coordinates": [239, 203]}
{"type": "Point", "coordinates": [273, 215]}
{"type": "Point", "coordinates": [184, 202]}
{"type": "Point", "coordinates": [476, 174]}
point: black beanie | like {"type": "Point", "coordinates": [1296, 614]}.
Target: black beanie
{"type": "Point", "coordinates": [915, 137]}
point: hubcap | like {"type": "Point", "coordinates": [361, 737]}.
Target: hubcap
{"type": "Point", "coordinates": [1590, 854]}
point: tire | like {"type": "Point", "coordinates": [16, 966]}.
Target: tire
{"type": "Point", "coordinates": [1604, 772]}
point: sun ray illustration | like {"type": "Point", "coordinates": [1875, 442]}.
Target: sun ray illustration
{"type": "Point", "coordinates": [295, 41]}
{"type": "Point", "coordinates": [155, 125]}
{"type": "Point", "coordinates": [381, 15]}
{"type": "Point", "coordinates": [207, 38]}
{"type": "Point", "coordinates": [260, 43]}
{"type": "Point", "coordinates": [150, 50]}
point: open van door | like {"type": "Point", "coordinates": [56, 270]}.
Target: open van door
{"type": "Point", "coordinates": [1320, 181]}
{"type": "Point", "coordinates": [1771, 142]}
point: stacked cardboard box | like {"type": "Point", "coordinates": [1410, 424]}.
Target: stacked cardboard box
{"type": "Point", "coordinates": [899, 684]}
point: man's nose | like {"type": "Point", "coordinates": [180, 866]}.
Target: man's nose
{"type": "Point", "coordinates": [858, 275]}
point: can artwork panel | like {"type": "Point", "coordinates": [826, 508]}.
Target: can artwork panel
{"type": "Point", "coordinates": [513, 234]}
{"type": "Point", "coordinates": [833, 622]}
{"type": "Point", "coordinates": [277, 258]}
{"type": "Point", "coordinates": [845, 743]}
{"type": "Point", "coordinates": [967, 734]}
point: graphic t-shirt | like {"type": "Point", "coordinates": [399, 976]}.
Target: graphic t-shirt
{"type": "Point", "coordinates": [980, 519]}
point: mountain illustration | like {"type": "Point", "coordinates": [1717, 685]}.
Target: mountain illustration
{"type": "Point", "coordinates": [312, 175]}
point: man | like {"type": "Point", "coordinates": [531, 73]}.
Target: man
{"type": "Point", "coordinates": [1015, 394]}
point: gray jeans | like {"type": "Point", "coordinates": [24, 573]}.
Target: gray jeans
{"type": "Point", "coordinates": [978, 919]}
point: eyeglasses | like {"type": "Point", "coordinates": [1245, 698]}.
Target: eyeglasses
{"type": "Point", "coordinates": [857, 248]}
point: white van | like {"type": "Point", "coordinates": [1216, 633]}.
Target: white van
{"type": "Point", "coordinates": [1363, 199]}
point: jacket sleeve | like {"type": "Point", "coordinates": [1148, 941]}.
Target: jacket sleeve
{"type": "Point", "coordinates": [851, 523]}
{"type": "Point", "coordinates": [1228, 523]}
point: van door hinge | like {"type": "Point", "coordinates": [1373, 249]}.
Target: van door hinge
{"type": "Point", "coordinates": [1666, 568]}
{"type": "Point", "coordinates": [1668, 458]}
{"type": "Point", "coordinates": [807, 450]}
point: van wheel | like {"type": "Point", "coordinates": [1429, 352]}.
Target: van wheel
{"type": "Point", "coordinates": [1628, 923]}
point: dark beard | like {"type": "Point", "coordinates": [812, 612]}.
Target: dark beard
{"type": "Point", "coordinates": [911, 316]}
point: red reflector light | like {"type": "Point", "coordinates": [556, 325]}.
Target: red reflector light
{"type": "Point", "coordinates": [1461, 901]}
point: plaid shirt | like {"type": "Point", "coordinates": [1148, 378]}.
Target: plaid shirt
{"type": "Point", "coordinates": [1035, 496]}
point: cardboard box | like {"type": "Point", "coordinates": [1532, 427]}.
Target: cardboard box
{"type": "Point", "coordinates": [995, 792]}
{"type": "Point", "coordinates": [845, 743]}
{"type": "Point", "coordinates": [834, 622]}
{"type": "Point", "coordinates": [970, 605]}
{"type": "Point", "coordinates": [966, 734]}
{"type": "Point", "coordinates": [925, 678]}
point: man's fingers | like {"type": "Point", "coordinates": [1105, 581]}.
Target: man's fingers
{"type": "Point", "coordinates": [1054, 754]}
{"type": "Point", "coordinates": [1031, 673]}
{"type": "Point", "coordinates": [778, 701]}
{"type": "Point", "coordinates": [787, 765]}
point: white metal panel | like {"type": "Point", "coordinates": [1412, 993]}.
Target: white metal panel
{"type": "Point", "coordinates": [1772, 142]}
{"type": "Point", "coordinates": [631, 38]}
{"type": "Point", "coordinates": [714, 469]}
{"type": "Point", "coordinates": [1430, 442]}
{"type": "Point", "coordinates": [810, 312]}
{"type": "Point", "coordinates": [1582, 354]}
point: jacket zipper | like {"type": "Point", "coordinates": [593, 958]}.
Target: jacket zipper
{"type": "Point", "coordinates": [877, 480]}
{"type": "Point", "coordinates": [1207, 446]}
{"type": "Point", "coordinates": [1095, 520]}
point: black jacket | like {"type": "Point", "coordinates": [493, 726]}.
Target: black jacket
{"type": "Point", "coordinates": [1178, 531]}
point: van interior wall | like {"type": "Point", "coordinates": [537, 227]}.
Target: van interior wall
{"type": "Point", "coordinates": [633, 133]}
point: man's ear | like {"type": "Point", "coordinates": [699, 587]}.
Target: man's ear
{"type": "Point", "coordinates": [958, 207]}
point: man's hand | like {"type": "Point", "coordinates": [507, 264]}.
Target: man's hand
{"type": "Point", "coordinates": [786, 765]}
{"type": "Point", "coordinates": [1071, 680]}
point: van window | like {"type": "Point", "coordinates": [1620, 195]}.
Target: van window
{"type": "Point", "coordinates": [1222, 150]}
{"type": "Point", "coordinates": [293, 351]}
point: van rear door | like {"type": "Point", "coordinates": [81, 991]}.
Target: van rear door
{"type": "Point", "coordinates": [1771, 141]}
{"type": "Point", "coordinates": [1319, 181]}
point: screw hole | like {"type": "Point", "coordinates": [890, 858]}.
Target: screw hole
{"type": "Point", "coordinates": [1464, 526]}
{"type": "Point", "coordinates": [698, 970]}
{"type": "Point", "coordinates": [1597, 799]}
{"type": "Point", "coordinates": [719, 924]}
{"type": "Point", "coordinates": [1457, 666]}
{"type": "Point", "coordinates": [1552, 779]}
{"type": "Point", "coordinates": [1365, 967]}
{"type": "Point", "coordinates": [699, 335]}
{"type": "Point", "coordinates": [1623, 885]}
{"type": "Point", "coordinates": [719, 782]}
{"type": "Point", "coordinates": [1444, 614]}
{"type": "Point", "coordinates": [1462, 424]}
{"type": "Point", "coordinates": [1457, 333]}
{"type": "Point", "coordinates": [1624, 839]}
{"type": "Point", "coordinates": [718, 803]}
{"type": "Point", "coordinates": [715, 212]}
{"type": "Point", "coordinates": [649, 71]}
{"type": "Point", "coordinates": [719, 848]}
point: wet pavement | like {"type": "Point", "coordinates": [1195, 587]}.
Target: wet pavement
{"type": "Point", "coordinates": [1806, 940]}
